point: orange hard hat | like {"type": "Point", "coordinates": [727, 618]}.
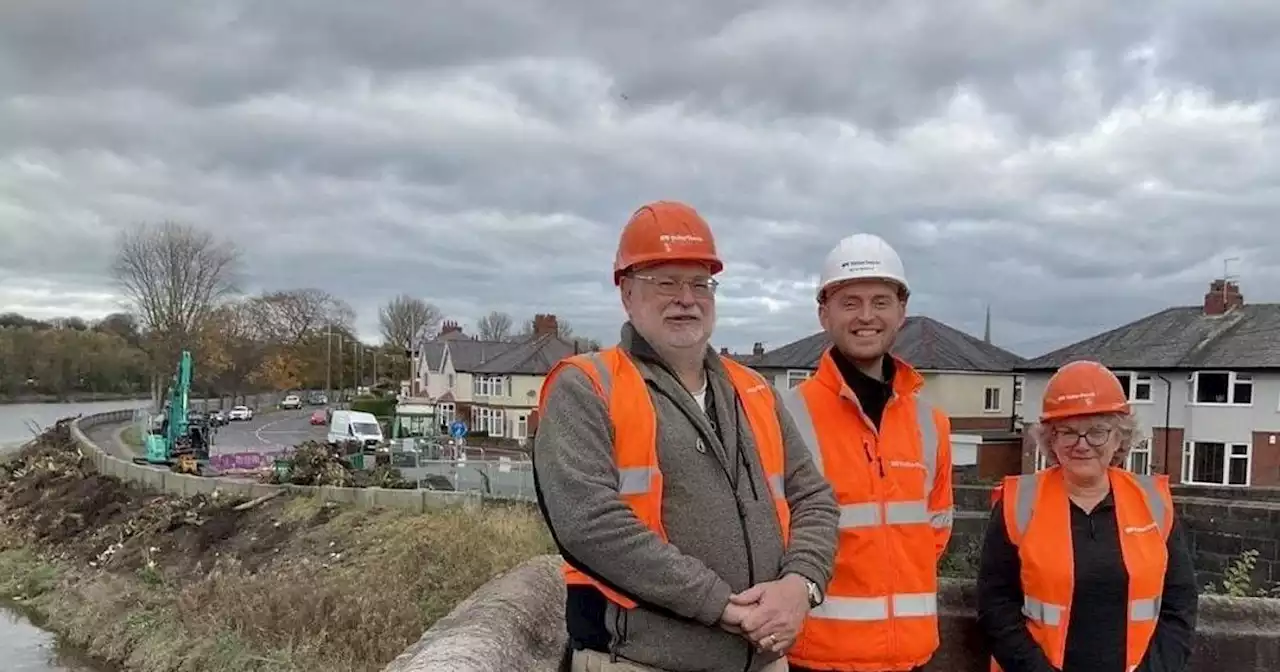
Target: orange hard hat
{"type": "Point", "coordinates": [665, 231]}
{"type": "Point", "coordinates": [1083, 388]}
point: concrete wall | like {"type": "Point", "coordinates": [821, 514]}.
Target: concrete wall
{"type": "Point", "coordinates": [162, 480]}
{"type": "Point", "coordinates": [516, 623]}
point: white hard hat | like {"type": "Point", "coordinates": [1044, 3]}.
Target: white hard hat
{"type": "Point", "coordinates": [862, 256]}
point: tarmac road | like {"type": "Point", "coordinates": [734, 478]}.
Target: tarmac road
{"type": "Point", "coordinates": [268, 432]}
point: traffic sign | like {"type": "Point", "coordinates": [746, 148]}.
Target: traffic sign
{"type": "Point", "coordinates": [458, 429]}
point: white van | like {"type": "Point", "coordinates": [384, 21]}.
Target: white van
{"type": "Point", "coordinates": [356, 426]}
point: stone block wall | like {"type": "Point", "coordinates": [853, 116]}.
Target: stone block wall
{"type": "Point", "coordinates": [516, 622]}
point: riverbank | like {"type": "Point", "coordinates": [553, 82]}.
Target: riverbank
{"type": "Point", "coordinates": [157, 583]}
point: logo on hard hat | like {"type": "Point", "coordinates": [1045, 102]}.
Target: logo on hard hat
{"type": "Point", "coordinates": [669, 239]}
{"type": "Point", "coordinates": [860, 265]}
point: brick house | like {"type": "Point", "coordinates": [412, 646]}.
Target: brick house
{"type": "Point", "coordinates": [1204, 382]}
{"type": "Point", "coordinates": [492, 386]}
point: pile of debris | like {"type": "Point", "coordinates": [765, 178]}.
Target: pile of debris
{"type": "Point", "coordinates": [316, 463]}
{"type": "Point", "coordinates": [50, 495]}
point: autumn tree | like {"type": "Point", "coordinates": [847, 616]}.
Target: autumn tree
{"type": "Point", "coordinates": [496, 326]}
{"type": "Point", "coordinates": [406, 319]}
{"type": "Point", "coordinates": [175, 276]}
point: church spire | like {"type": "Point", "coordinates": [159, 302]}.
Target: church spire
{"type": "Point", "coordinates": [986, 332]}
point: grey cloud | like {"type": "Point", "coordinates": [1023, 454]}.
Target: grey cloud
{"type": "Point", "coordinates": [1075, 165]}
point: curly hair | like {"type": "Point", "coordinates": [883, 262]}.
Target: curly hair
{"type": "Point", "coordinates": [1037, 436]}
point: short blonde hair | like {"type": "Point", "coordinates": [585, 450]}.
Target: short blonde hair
{"type": "Point", "coordinates": [1124, 423]}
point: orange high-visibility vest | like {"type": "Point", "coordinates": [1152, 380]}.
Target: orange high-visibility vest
{"type": "Point", "coordinates": [1037, 514]}
{"type": "Point", "coordinates": [635, 449]}
{"type": "Point", "coordinates": [881, 606]}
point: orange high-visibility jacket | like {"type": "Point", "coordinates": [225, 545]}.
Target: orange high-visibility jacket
{"type": "Point", "coordinates": [635, 450]}
{"type": "Point", "coordinates": [893, 486]}
{"type": "Point", "coordinates": [1037, 514]}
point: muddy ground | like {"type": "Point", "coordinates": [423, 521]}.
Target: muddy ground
{"type": "Point", "coordinates": [161, 583]}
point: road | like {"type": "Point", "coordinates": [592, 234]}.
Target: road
{"type": "Point", "coordinates": [260, 435]}
{"type": "Point", "coordinates": [268, 432]}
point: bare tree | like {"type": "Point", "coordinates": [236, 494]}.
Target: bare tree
{"type": "Point", "coordinates": [405, 319]}
{"type": "Point", "coordinates": [175, 275]}
{"type": "Point", "coordinates": [291, 316]}
{"type": "Point", "coordinates": [496, 326]}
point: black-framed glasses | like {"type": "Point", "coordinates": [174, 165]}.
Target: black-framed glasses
{"type": "Point", "coordinates": [1096, 437]}
{"type": "Point", "coordinates": [672, 287]}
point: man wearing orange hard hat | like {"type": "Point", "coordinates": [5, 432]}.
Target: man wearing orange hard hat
{"type": "Point", "coordinates": [1085, 567]}
{"type": "Point", "coordinates": [695, 530]}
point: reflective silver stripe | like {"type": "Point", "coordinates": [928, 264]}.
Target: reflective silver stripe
{"type": "Point", "coordinates": [1144, 610]}
{"type": "Point", "coordinates": [929, 447]}
{"type": "Point", "coordinates": [794, 403]}
{"type": "Point", "coordinates": [777, 485]}
{"type": "Point", "coordinates": [915, 604]}
{"type": "Point", "coordinates": [859, 515]}
{"type": "Point", "coordinates": [1155, 503]}
{"type": "Point", "coordinates": [606, 377]}
{"type": "Point", "coordinates": [942, 519]}
{"type": "Point", "coordinates": [852, 609]}
{"type": "Point", "coordinates": [906, 513]}
{"type": "Point", "coordinates": [1042, 612]}
{"type": "Point", "coordinates": [905, 605]}
{"type": "Point", "coordinates": [635, 480]}
{"type": "Point", "coordinates": [1028, 486]}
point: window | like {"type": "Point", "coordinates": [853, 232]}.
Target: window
{"type": "Point", "coordinates": [1223, 387]}
{"type": "Point", "coordinates": [488, 420]}
{"type": "Point", "coordinates": [1017, 389]}
{"type": "Point", "coordinates": [797, 376]}
{"type": "Point", "coordinates": [446, 412]}
{"type": "Point", "coordinates": [991, 400]}
{"type": "Point", "coordinates": [1139, 460]}
{"type": "Point", "coordinates": [1137, 386]}
{"type": "Point", "coordinates": [1213, 463]}
{"type": "Point", "coordinates": [490, 386]}
{"type": "Point", "coordinates": [451, 381]}
{"type": "Point", "coordinates": [522, 426]}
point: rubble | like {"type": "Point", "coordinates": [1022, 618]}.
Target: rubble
{"type": "Point", "coordinates": [316, 463]}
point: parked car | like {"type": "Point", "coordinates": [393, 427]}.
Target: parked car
{"type": "Point", "coordinates": [240, 413]}
{"type": "Point", "coordinates": [292, 401]}
{"type": "Point", "coordinates": [319, 418]}
{"type": "Point", "coordinates": [318, 400]}
{"type": "Point", "coordinates": [217, 418]}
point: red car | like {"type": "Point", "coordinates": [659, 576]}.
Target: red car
{"type": "Point", "coordinates": [317, 418]}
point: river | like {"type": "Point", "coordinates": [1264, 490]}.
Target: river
{"type": "Point", "coordinates": [23, 646]}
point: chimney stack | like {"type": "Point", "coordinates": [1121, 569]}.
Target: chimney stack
{"type": "Point", "coordinates": [724, 352]}
{"type": "Point", "coordinates": [1223, 296]}
{"type": "Point", "coordinates": [757, 349]}
{"type": "Point", "coordinates": [545, 324]}
{"type": "Point", "coordinates": [450, 327]}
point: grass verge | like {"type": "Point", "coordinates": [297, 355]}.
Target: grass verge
{"type": "Point", "coordinates": [157, 583]}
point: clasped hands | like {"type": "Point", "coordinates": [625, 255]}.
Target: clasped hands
{"type": "Point", "coordinates": [769, 614]}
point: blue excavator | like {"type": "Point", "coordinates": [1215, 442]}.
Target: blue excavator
{"type": "Point", "coordinates": [178, 443]}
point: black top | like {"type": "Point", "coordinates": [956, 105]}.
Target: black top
{"type": "Point", "coordinates": [872, 394]}
{"type": "Point", "coordinates": [1099, 602]}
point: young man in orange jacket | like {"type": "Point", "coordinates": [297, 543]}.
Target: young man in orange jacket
{"type": "Point", "coordinates": [887, 455]}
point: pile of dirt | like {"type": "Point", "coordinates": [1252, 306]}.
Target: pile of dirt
{"type": "Point", "coordinates": [161, 583]}
{"type": "Point", "coordinates": [51, 497]}
{"type": "Point", "coordinates": [316, 463]}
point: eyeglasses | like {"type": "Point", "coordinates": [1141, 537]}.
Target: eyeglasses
{"type": "Point", "coordinates": [1096, 437]}
{"type": "Point", "coordinates": [673, 287]}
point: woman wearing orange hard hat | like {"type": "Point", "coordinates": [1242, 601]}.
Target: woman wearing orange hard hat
{"type": "Point", "coordinates": [1085, 567]}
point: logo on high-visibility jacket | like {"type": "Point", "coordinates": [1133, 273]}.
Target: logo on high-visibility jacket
{"type": "Point", "coordinates": [1139, 530]}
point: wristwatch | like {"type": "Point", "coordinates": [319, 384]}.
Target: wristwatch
{"type": "Point", "coordinates": [815, 593]}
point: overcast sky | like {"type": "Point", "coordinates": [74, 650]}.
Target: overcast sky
{"type": "Point", "coordinates": [1077, 164]}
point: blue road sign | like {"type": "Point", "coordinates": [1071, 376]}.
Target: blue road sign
{"type": "Point", "coordinates": [458, 429]}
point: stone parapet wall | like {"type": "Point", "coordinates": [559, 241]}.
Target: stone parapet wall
{"type": "Point", "coordinates": [516, 623]}
{"type": "Point", "coordinates": [161, 479]}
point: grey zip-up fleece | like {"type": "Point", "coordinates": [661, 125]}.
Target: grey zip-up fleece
{"type": "Point", "coordinates": [721, 541]}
